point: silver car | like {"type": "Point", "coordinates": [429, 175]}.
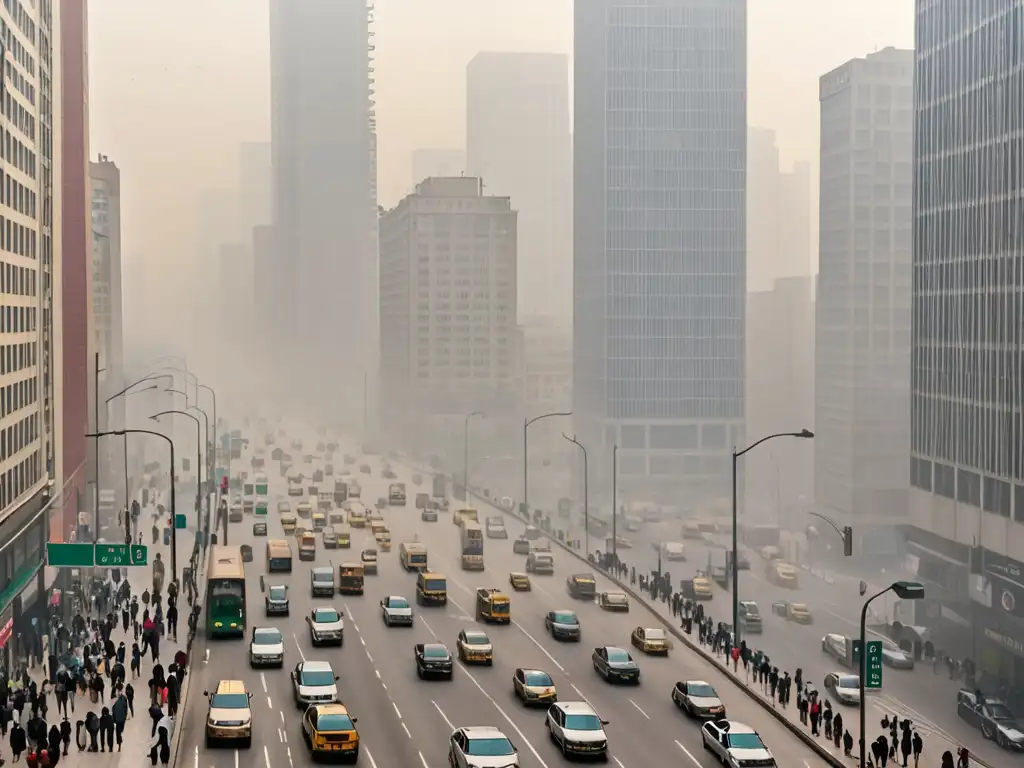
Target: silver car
{"type": "Point", "coordinates": [314, 682]}
{"type": "Point", "coordinates": [396, 610]}
{"type": "Point", "coordinates": [266, 649]}
{"type": "Point", "coordinates": [735, 743]}
{"type": "Point", "coordinates": [481, 746]}
{"type": "Point", "coordinates": [326, 626]}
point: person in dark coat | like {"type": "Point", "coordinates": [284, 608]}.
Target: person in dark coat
{"type": "Point", "coordinates": [65, 735]}
{"type": "Point", "coordinates": [120, 714]}
{"type": "Point", "coordinates": [173, 695]}
{"type": "Point", "coordinates": [918, 745]}
{"type": "Point", "coordinates": [129, 694]}
{"type": "Point", "coordinates": [136, 664]}
{"type": "Point", "coordinates": [54, 743]}
{"type": "Point", "coordinates": [106, 731]}
{"type": "Point", "coordinates": [880, 748]}
{"type": "Point", "coordinates": [18, 741]}
{"type": "Point", "coordinates": [156, 715]}
{"type": "Point", "coordinates": [160, 744]}
{"type": "Point", "coordinates": [92, 727]}
{"type": "Point", "coordinates": [905, 743]}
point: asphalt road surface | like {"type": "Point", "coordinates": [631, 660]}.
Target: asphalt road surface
{"type": "Point", "coordinates": [926, 698]}
{"type": "Point", "coordinates": [406, 721]}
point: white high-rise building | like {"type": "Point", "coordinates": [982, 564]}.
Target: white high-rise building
{"type": "Point", "coordinates": [659, 241]}
{"type": "Point", "coordinates": [448, 304]}
{"type": "Point", "coordinates": [324, 207]}
{"type": "Point", "coordinates": [862, 346]}
{"type": "Point", "coordinates": [518, 143]}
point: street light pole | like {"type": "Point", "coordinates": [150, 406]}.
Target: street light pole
{"type": "Point", "coordinates": [526, 424]}
{"type": "Point", "coordinates": [586, 498]}
{"type": "Point", "coordinates": [465, 451]}
{"type": "Point", "coordinates": [96, 450]}
{"type": "Point", "coordinates": [615, 505]}
{"type": "Point", "coordinates": [123, 393]}
{"type": "Point", "coordinates": [199, 457]}
{"type": "Point", "coordinates": [734, 566]}
{"type": "Point", "coordinates": [211, 453]}
{"type": "Point", "coordinates": [128, 530]}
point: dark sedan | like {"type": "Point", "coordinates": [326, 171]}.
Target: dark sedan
{"type": "Point", "coordinates": [433, 659]}
{"type": "Point", "coordinates": [616, 665]}
{"type": "Point", "coordinates": [563, 625]}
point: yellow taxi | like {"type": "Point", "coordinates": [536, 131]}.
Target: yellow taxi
{"type": "Point", "coordinates": [782, 574]}
{"type": "Point", "coordinates": [534, 686]}
{"type": "Point", "coordinates": [330, 731]}
{"type": "Point", "coordinates": [288, 523]}
{"type": "Point", "coordinates": [229, 718]}
{"type": "Point", "coordinates": [702, 588]}
{"type": "Point", "coordinates": [520, 582]}
{"type": "Point", "coordinates": [651, 640]}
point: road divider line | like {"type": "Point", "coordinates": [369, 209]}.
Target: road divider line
{"type": "Point", "coordinates": [581, 694]}
{"type": "Point", "coordinates": [280, 736]}
{"type": "Point", "coordinates": [196, 761]}
{"type": "Point", "coordinates": [423, 760]}
{"type": "Point", "coordinates": [639, 710]}
{"type": "Point", "coordinates": [266, 755]}
{"type": "Point", "coordinates": [397, 711]}
{"type": "Point", "coordinates": [443, 715]}
{"type": "Point", "coordinates": [236, 758]}
{"type": "Point", "coordinates": [263, 679]}
{"type": "Point", "coordinates": [406, 729]}
{"type": "Point", "coordinates": [694, 759]}
{"type": "Point", "coordinates": [270, 704]}
{"type": "Point", "coordinates": [369, 757]}
{"type": "Point", "coordinates": [290, 763]}
{"type": "Point", "coordinates": [543, 650]}
{"type": "Point", "coordinates": [297, 645]}
{"type": "Point", "coordinates": [618, 762]}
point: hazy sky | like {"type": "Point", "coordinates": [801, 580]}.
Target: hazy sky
{"type": "Point", "coordinates": [175, 87]}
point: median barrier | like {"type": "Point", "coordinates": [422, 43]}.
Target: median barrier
{"type": "Point", "coordinates": [796, 729]}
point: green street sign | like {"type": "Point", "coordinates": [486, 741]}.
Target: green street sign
{"type": "Point", "coordinates": [121, 555]}
{"type": "Point", "coordinates": [179, 521]}
{"type": "Point", "coordinates": [70, 555]}
{"type": "Point", "coordinates": [261, 509]}
{"type": "Point", "coordinates": [873, 681]}
{"type": "Point", "coordinates": [261, 489]}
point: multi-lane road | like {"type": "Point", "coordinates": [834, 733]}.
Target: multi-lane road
{"type": "Point", "coordinates": [406, 721]}
{"type": "Point", "coordinates": [926, 698]}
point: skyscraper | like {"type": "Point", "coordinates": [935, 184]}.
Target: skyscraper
{"type": "Point", "coordinates": [862, 346]}
{"type": "Point", "coordinates": [324, 211]}
{"type": "Point", "coordinates": [967, 377]}
{"type": "Point", "coordinates": [659, 239]}
{"type": "Point", "coordinates": [518, 143]}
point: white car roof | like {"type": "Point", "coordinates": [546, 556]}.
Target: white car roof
{"type": "Point", "coordinates": [317, 666]}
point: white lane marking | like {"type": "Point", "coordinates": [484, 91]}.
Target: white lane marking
{"type": "Point", "coordinates": [269, 703]}
{"type": "Point", "coordinates": [266, 755]}
{"type": "Point", "coordinates": [377, 673]}
{"type": "Point", "coordinates": [236, 758]}
{"type": "Point", "coordinates": [361, 640]}
{"type": "Point", "coordinates": [619, 762]}
{"type": "Point", "coordinates": [297, 645]}
{"type": "Point", "coordinates": [689, 755]}
{"type": "Point", "coordinates": [423, 760]}
{"type": "Point", "coordinates": [406, 729]}
{"type": "Point", "coordinates": [370, 757]}
{"type": "Point", "coordinates": [281, 713]}
{"type": "Point", "coordinates": [639, 710]}
{"type": "Point", "coordinates": [280, 736]}
{"type": "Point", "coordinates": [206, 657]}
{"type": "Point", "coordinates": [580, 693]}
{"type": "Point", "coordinates": [292, 764]}
{"type": "Point", "coordinates": [443, 715]}
{"type": "Point", "coordinates": [543, 650]}
{"type": "Point", "coordinates": [397, 712]}
{"type": "Point", "coordinates": [355, 626]}
{"type": "Point", "coordinates": [369, 657]}
{"type": "Point", "coordinates": [424, 623]}
{"type": "Point", "coordinates": [285, 734]}
{"type": "Point", "coordinates": [263, 679]}
{"type": "Point", "coordinates": [197, 746]}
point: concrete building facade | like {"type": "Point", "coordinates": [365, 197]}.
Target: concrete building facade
{"type": "Point", "coordinates": [324, 210]}
{"type": "Point", "coordinates": [966, 532]}
{"type": "Point", "coordinates": [659, 241]}
{"type": "Point", "coordinates": [862, 347]}
{"type": "Point", "coordinates": [448, 299]}
{"type": "Point", "coordinates": [518, 142]}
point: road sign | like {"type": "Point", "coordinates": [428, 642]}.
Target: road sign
{"type": "Point", "coordinates": [873, 681]}
{"type": "Point", "coordinates": [70, 555]}
{"type": "Point", "coordinates": [261, 509]}
{"type": "Point", "coordinates": [121, 555]}
{"type": "Point", "coordinates": [179, 521]}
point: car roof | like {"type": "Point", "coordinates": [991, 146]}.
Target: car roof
{"type": "Point", "coordinates": [532, 670]}
{"type": "Point", "coordinates": [323, 569]}
{"type": "Point", "coordinates": [331, 709]}
{"type": "Point", "coordinates": [697, 682]}
{"type": "Point", "coordinates": [482, 732]}
{"type": "Point", "coordinates": [613, 648]}
{"type": "Point", "coordinates": [575, 707]}
{"type": "Point", "coordinates": [434, 645]}
{"type": "Point", "coordinates": [231, 686]}
{"type": "Point", "coordinates": [396, 597]}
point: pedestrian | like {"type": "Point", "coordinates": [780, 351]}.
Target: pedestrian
{"type": "Point", "coordinates": [172, 619]}
{"type": "Point", "coordinates": [906, 745]}
{"type": "Point", "coordinates": [18, 741]}
{"type": "Point", "coordinates": [160, 743]}
{"type": "Point", "coordinates": [156, 715]}
{"type": "Point", "coordinates": [826, 717]}
{"type": "Point", "coordinates": [65, 735]}
{"type": "Point", "coordinates": [815, 714]}
{"type": "Point", "coordinates": [837, 728]}
{"type": "Point", "coordinates": [120, 714]}
{"type": "Point", "coordinates": [92, 728]}
{"type": "Point", "coordinates": [129, 694]}
{"type": "Point", "coordinates": [173, 695]}
{"type": "Point", "coordinates": [106, 731]}
{"type": "Point", "coordinates": [877, 752]}
{"type": "Point", "coordinates": [918, 746]}
{"type": "Point", "coordinates": [883, 749]}
{"type": "Point", "coordinates": [847, 744]}
{"type": "Point", "coordinates": [136, 664]}
{"type": "Point", "coordinates": [53, 747]}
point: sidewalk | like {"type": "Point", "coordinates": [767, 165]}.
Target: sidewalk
{"type": "Point", "coordinates": [138, 728]}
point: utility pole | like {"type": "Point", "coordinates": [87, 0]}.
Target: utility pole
{"type": "Point", "coordinates": [96, 450]}
{"type": "Point", "coordinates": [615, 505]}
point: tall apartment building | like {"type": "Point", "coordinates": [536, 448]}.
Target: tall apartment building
{"type": "Point", "coordinates": [29, 267]}
{"type": "Point", "coordinates": [659, 240]}
{"type": "Point", "coordinates": [966, 530]}
{"type": "Point", "coordinates": [780, 366]}
{"type": "Point", "coordinates": [437, 162]}
{"type": "Point", "coordinates": [518, 142]}
{"type": "Point", "coordinates": [107, 311]}
{"type": "Point", "coordinates": [862, 347]}
{"type": "Point", "coordinates": [324, 210]}
{"type": "Point", "coordinates": [448, 301]}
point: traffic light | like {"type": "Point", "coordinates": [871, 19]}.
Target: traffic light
{"type": "Point", "coordinates": [847, 541]}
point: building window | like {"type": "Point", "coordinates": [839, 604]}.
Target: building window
{"type": "Point", "coordinates": [968, 487]}
{"type": "Point", "coordinates": [945, 483]}
{"type": "Point", "coordinates": [996, 497]}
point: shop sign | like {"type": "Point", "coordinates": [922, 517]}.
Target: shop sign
{"type": "Point", "coordinates": [1007, 583]}
{"type": "Point", "coordinates": [6, 631]}
{"type": "Point", "coordinates": [1012, 644]}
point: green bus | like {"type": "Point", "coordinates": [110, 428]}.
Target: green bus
{"type": "Point", "coordinates": [225, 594]}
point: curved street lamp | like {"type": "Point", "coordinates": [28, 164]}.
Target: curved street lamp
{"type": "Point", "coordinates": [199, 445]}
{"type": "Point", "coordinates": [526, 425]}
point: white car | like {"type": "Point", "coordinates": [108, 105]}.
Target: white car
{"type": "Point", "coordinates": [396, 610]}
{"type": "Point", "coordinates": [266, 649]}
{"type": "Point", "coordinates": [577, 729]}
{"type": "Point", "coordinates": [295, 488]}
{"type": "Point", "coordinates": [698, 699]}
{"type": "Point", "coordinates": [481, 746]}
{"type": "Point", "coordinates": [735, 744]}
{"type": "Point", "coordinates": [844, 687]}
{"type": "Point", "coordinates": [314, 682]}
{"type": "Point", "coordinates": [326, 626]}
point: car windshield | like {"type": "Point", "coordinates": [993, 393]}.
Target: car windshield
{"type": "Point", "coordinates": [335, 723]}
{"type": "Point", "coordinates": [703, 690]}
{"type": "Point", "coordinates": [1000, 712]}
{"type": "Point", "coordinates": [398, 602]}
{"type": "Point", "coordinates": [745, 741]}
{"type": "Point", "coordinates": [752, 610]}
{"type": "Point", "coordinates": [435, 652]}
{"type": "Point", "coordinates": [266, 637]}
{"type": "Point", "coordinates": [496, 747]}
{"type": "Point", "coordinates": [582, 722]}
{"type": "Point", "coordinates": [566, 617]}
{"type": "Point", "coordinates": [477, 638]}
{"type": "Point", "coordinates": [230, 701]}
{"type": "Point", "coordinates": [317, 677]}
{"type": "Point", "coordinates": [538, 678]}
{"type": "Point", "coordinates": [319, 575]}
{"type": "Point", "coordinates": [615, 598]}
{"type": "Point", "coordinates": [325, 615]}
{"type": "Point", "coordinates": [654, 634]}
{"type": "Point", "coordinates": [618, 655]}
{"type": "Point", "coordinates": [848, 681]}
{"type": "Point", "coordinates": [278, 593]}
